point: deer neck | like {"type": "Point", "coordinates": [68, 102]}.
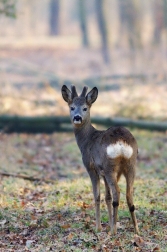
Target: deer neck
{"type": "Point", "coordinates": [83, 134]}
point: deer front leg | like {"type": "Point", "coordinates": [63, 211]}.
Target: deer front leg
{"type": "Point", "coordinates": [96, 192]}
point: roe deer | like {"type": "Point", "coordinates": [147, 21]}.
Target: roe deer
{"type": "Point", "coordinates": [109, 153]}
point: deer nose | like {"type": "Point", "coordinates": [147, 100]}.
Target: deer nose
{"type": "Point", "coordinates": [77, 119]}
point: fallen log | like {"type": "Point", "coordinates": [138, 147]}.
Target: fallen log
{"type": "Point", "coordinates": [50, 124]}
{"type": "Point", "coordinates": [139, 124]}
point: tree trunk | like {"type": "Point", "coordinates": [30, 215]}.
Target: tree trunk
{"type": "Point", "coordinates": [159, 22]}
{"type": "Point", "coordinates": [54, 17]}
{"type": "Point", "coordinates": [83, 22]}
{"type": "Point", "coordinates": [102, 29]}
{"type": "Point", "coordinates": [165, 13]}
{"type": "Point", "coordinates": [130, 19]}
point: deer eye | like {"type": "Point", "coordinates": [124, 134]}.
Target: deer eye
{"type": "Point", "coordinates": [85, 109]}
{"type": "Point", "coordinates": [72, 108]}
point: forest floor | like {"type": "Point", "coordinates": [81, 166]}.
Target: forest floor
{"type": "Point", "coordinates": [56, 212]}
{"type": "Point", "coordinates": [60, 215]}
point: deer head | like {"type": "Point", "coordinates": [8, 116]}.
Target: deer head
{"type": "Point", "coordinates": [79, 105]}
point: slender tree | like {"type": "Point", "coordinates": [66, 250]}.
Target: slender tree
{"type": "Point", "coordinates": [159, 20]}
{"type": "Point", "coordinates": [101, 21]}
{"type": "Point", "coordinates": [129, 17]}
{"type": "Point", "coordinates": [165, 13]}
{"type": "Point", "coordinates": [54, 17]}
{"type": "Point", "coordinates": [83, 22]}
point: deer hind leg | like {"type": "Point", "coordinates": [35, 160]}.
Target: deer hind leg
{"type": "Point", "coordinates": [113, 186]}
{"type": "Point", "coordinates": [108, 199]}
{"type": "Point", "coordinates": [129, 197]}
{"type": "Point", "coordinates": [96, 192]}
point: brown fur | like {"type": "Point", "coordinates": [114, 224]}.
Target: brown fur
{"type": "Point", "coordinates": [92, 144]}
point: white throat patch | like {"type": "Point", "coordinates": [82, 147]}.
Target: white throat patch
{"type": "Point", "coordinates": [77, 122]}
{"type": "Point", "coordinates": [119, 149]}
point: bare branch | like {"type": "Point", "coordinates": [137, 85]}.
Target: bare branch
{"type": "Point", "coordinates": [25, 177]}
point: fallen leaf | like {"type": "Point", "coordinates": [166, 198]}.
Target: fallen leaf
{"type": "Point", "coordinates": [59, 216]}
{"type": "Point", "coordinates": [65, 226]}
{"type": "Point", "coordinates": [87, 219]}
{"type": "Point", "coordinates": [156, 249]}
{"type": "Point", "coordinates": [23, 203]}
{"type": "Point", "coordinates": [70, 236]}
{"type": "Point", "coordinates": [84, 205]}
{"type": "Point", "coordinates": [117, 243]}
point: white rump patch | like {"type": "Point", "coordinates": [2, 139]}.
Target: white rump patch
{"type": "Point", "coordinates": [118, 149]}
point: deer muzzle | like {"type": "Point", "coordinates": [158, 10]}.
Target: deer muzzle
{"type": "Point", "coordinates": [77, 119]}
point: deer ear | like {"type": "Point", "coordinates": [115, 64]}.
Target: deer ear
{"type": "Point", "coordinates": [92, 96]}
{"type": "Point", "coordinates": [66, 93]}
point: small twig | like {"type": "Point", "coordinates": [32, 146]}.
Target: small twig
{"type": "Point", "coordinates": [26, 177]}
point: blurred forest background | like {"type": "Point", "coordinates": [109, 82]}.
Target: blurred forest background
{"type": "Point", "coordinates": [117, 45]}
